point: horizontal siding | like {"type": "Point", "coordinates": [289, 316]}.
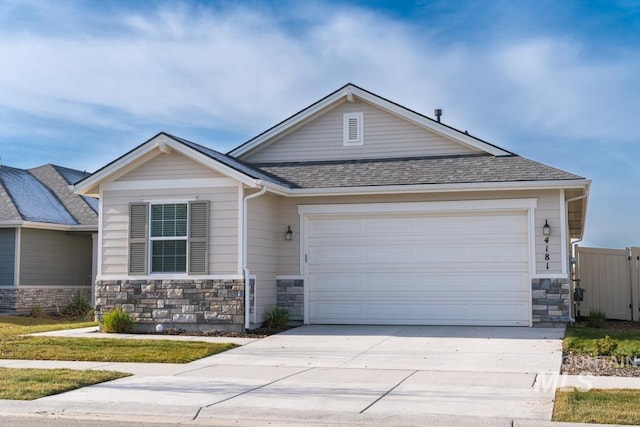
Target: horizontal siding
{"type": "Point", "coordinates": [223, 223]}
{"type": "Point", "coordinates": [7, 256]}
{"type": "Point", "coordinates": [548, 207]}
{"type": "Point", "coordinates": [55, 258]}
{"type": "Point", "coordinates": [263, 236]}
{"type": "Point", "coordinates": [385, 135]}
{"type": "Point", "coordinates": [172, 165]}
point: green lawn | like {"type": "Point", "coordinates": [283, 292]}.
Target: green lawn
{"type": "Point", "coordinates": [14, 345]}
{"type": "Point", "coordinates": [29, 384]}
{"type": "Point", "coordinates": [581, 339]}
{"type": "Point", "coordinates": [598, 406]}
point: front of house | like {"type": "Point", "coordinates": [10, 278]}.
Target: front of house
{"type": "Point", "coordinates": [395, 218]}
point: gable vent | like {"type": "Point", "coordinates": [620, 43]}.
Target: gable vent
{"type": "Point", "coordinates": [353, 129]}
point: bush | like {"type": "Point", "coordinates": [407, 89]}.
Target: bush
{"type": "Point", "coordinates": [37, 313]}
{"type": "Point", "coordinates": [276, 318]}
{"type": "Point", "coordinates": [117, 321]}
{"type": "Point", "coordinates": [79, 307]}
{"type": "Point", "coordinates": [597, 319]}
{"type": "Point", "coordinates": [603, 346]}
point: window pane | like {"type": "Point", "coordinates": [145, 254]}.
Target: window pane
{"type": "Point", "coordinates": [169, 256]}
{"type": "Point", "coordinates": [169, 220]}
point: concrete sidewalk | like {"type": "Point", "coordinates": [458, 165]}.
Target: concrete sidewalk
{"type": "Point", "coordinates": [336, 375]}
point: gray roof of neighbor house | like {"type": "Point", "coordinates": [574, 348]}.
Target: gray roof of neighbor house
{"type": "Point", "coordinates": [43, 195]}
{"type": "Point", "coordinates": [411, 171]}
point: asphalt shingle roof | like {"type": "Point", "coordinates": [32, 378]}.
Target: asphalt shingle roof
{"type": "Point", "coordinates": [30, 195]}
{"type": "Point", "coordinates": [412, 171]}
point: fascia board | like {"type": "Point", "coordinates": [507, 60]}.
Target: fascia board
{"type": "Point", "coordinates": [47, 226]}
{"type": "Point", "coordinates": [209, 162]}
{"type": "Point", "coordinates": [429, 124]}
{"type": "Point", "coordinates": [440, 188]}
{"type": "Point", "coordinates": [291, 123]}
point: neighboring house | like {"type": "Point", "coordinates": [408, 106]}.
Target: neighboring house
{"type": "Point", "coordinates": [46, 238]}
{"type": "Point", "coordinates": [396, 219]}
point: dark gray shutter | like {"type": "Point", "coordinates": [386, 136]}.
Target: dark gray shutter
{"type": "Point", "coordinates": [138, 238]}
{"type": "Point", "coordinates": [199, 237]}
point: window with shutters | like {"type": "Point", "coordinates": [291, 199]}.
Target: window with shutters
{"type": "Point", "coordinates": [353, 129]}
{"type": "Point", "coordinates": [168, 238]}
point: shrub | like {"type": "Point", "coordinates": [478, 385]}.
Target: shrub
{"type": "Point", "coordinates": [78, 307]}
{"type": "Point", "coordinates": [276, 318]}
{"type": "Point", "coordinates": [37, 313]}
{"type": "Point", "coordinates": [603, 346]}
{"type": "Point", "coordinates": [597, 319]}
{"type": "Point", "coordinates": [117, 321]}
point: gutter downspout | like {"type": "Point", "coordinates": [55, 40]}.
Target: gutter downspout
{"type": "Point", "coordinates": [572, 320]}
{"type": "Point", "coordinates": [245, 244]}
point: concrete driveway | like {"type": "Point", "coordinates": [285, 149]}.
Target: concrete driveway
{"type": "Point", "coordinates": [355, 373]}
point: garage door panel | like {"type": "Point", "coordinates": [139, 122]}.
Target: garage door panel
{"type": "Point", "coordinates": [374, 255]}
{"type": "Point", "coordinates": [463, 268]}
{"type": "Point", "coordinates": [421, 312]}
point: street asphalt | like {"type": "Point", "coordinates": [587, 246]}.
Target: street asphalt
{"type": "Point", "coordinates": [333, 375]}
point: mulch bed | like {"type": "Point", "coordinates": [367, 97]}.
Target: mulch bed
{"type": "Point", "coordinates": [582, 364]}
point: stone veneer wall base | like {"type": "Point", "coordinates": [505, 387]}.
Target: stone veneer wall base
{"type": "Point", "coordinates": [191, 305]}
{"type": "Point", "coordinates": [550, 302]}
{"type": "Point", "coordinates": [49, 299]}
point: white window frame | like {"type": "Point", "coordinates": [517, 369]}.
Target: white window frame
{"type": "Point", "coordinates": [345, 129]}
{"type": "Point", "coordinates": [152, 239]}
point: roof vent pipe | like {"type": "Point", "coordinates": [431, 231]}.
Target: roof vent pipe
{"type": "Point", "coordinates": [438, 112]}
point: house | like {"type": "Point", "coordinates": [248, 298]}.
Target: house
{"type": "Point", "coordinates": [46, 238]}
{"type": "Point", "coordinates": [356, 210]}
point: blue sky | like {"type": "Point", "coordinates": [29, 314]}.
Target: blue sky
{"type": "Point", "coordinates": [82, 82]}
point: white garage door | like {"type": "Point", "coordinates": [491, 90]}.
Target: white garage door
{"type": "Point", "coordinates": [419, 269]}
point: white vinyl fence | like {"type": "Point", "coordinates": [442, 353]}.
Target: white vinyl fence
{"type": "Point", "coordinates": [611, 281]}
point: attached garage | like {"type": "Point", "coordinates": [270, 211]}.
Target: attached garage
{"type": "Point", "coordinates": [417, 264]}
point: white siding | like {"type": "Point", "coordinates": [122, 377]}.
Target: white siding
{"type": "Point", "coordinates": [263, 234]}
{"type": "Point", "coordinates": [169, 165]}
{"type": "Point", "coordinates": [223, 223]}
{"type": "Point", "coordinates": [548, 207]}
{"type": "Point", "coordinates": [385, 135]}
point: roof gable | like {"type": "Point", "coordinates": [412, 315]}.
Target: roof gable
{"type": "Point", "coordinates": [352, 93]}
{"type": "Point", "coordinates": [164, 143]}
{"type": "Point", "coordinates": [384, 135]}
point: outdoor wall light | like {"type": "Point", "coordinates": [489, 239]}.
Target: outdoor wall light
{"type": "Point", "coordinates": [288, 235]}
{"type": "Point", "coordinates": [546, 228]}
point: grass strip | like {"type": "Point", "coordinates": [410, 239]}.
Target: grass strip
{"type": "Point", "coordinates": [29, 384]}
{"type": "Point", "coordinates": [15, 345]}
{"type": "Point", "coordinates": [580, 340]}
{"type": "Point", "coordinates": [619, 406]}
{"type": "Point", "coordinates": [107, 349]}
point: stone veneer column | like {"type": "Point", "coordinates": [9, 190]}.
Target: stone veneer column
{"type": "Point", "coordinates": [183, 304]}
{"type": "Point", "coordinates": [551, 302]}
{"type": "Point", "coordinates": [291, 296]}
